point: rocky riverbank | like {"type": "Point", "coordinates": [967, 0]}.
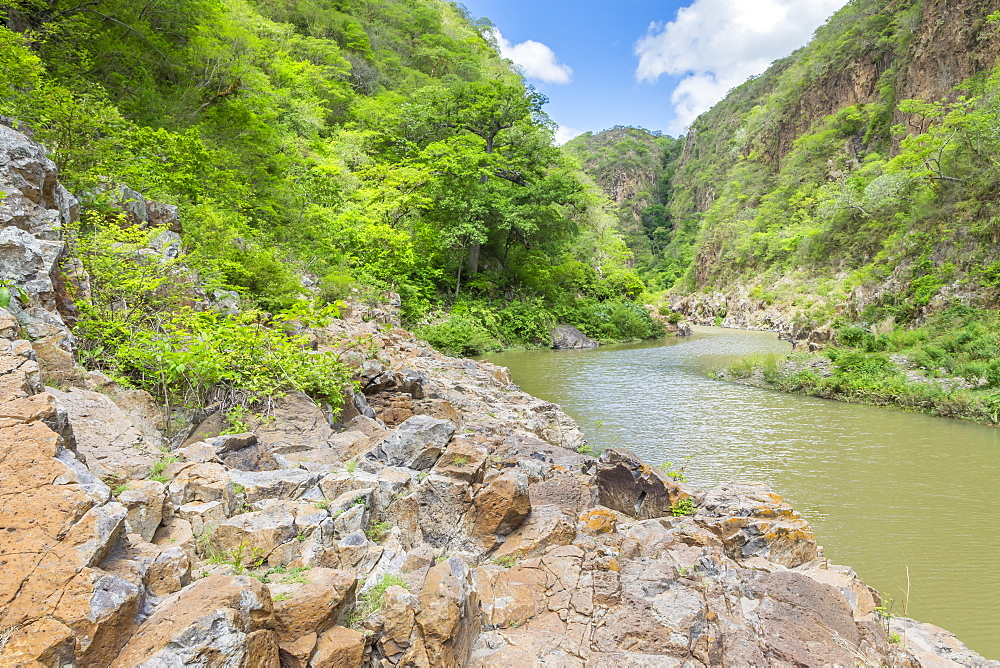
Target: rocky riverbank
{"type": "Point", "coordinates": [443, 518]}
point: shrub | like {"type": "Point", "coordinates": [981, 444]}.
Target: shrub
{"type": "Point", "coordinates": [458, 336]}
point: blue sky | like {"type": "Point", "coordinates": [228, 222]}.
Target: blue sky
{"type": "Point", "coordinates": [650, 63]}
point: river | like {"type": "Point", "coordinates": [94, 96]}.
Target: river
{"type": "Point", "coordinates": [884, 490]}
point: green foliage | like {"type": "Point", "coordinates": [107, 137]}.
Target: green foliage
{"type": "Point", "coordinates": [382, 143]}
{"type": "Point", "coordinates": [371, 600]}
{"type": "Point", "coordinates": [507, 561]}
{"type": "Point", "coordinates": [376, 530]}
{"type": "Point", "coordinates": [458, 336]}
{"type": "Point", "coordinates": [137, 327]}
{"type": "Point", "coordinates": [683, 507]}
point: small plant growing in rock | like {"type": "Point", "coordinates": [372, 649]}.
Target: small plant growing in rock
{"type": "Point", "coordinates": [238, 488]}
{"type": "Point", "coordinates": [119, 489]}
{"type": "Point", "coordinates": [507, 561]}
{"type": "Point", "coordinates": [585, 449]}
{"type": "Point", "coordinates": [894, 638]}
{"type": "Point", "coordinates": [281, 596]}
{"type": "Point", "coordinates": [159, 466]}
{"type": "Point", "coordinates": [371, 601]}
{"type": "Point", "coordinates": [678, 473]}
{"type": "Point", "coordinates": [297, 575]}
{"type": "Point", "coordinates": [350, 466]}
{"type": "Point", "coordinates": [460, 460]}
{"type": "Point", "coordinates": [237, 419]}
{"type": "Point", "coordinates": [301, 537]}
{"type": "Point", "coordinates": [443, 557]}
{"type": "Point", "coordinates": [376, 530]}
{"type": "Point", "coordinates": [683, 507]}
{"type": "Point", "coordinates": [322, 505]}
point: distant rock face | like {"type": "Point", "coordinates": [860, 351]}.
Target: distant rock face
{"type": "Point", "coordinates": [567, 336]}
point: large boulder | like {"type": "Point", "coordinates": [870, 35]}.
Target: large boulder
{"type": "Point", "coordinates": [107, 438]}
{"type": "Point", "coordinates": [626, 484]}
{"type": "Point", "coordinates": [415, 444]}
{"type": "Point", "coordinates": [294, 423]}
{"type": "Point", "coordinates": [218, 621]}
{"type": "Point", "coordinates": [567, 336]}
{"type": "Point", "coordinates": [753, 521]}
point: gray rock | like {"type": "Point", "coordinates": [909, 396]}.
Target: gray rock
{"type": "Point", "coordinates": [144, 501]}
{"type": "Point", "coordinates": [567, 336]}
{"type": "Point", "coordinates": [282, 484]}
{"type": "Point", "coordinates": [415, 444]}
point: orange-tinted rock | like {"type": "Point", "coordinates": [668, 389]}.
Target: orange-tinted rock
{"type": "Point", "coordinates": [339, 648]}
{"type": "Point", "coordinates": [208, 623]}
{"type": "Point", "coordinates": [596, 522]}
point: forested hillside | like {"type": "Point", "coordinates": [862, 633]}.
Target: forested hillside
{"type": "Point", "coordinates": [635, 168]}
{"type": "Point", "coordinates": [380, 145]}
{"type": "Point", "coordinates": [863, 166]}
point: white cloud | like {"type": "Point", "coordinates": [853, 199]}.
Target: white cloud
{"type": "Point", "coordinates": [714, 45]}
{"type": "Point", "coordinates": [564, 134]}
{"type": "Point", "coordinates": [535, 60]}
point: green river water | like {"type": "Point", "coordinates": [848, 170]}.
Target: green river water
{"type": "Point", "coordinates": [884, 490]}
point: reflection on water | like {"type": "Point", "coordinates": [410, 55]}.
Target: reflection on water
{"type": "Point", "coordinates": [883, 489]}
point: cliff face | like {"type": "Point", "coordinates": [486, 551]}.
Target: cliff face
{"type": "Point", "coordinates": [822, 169]}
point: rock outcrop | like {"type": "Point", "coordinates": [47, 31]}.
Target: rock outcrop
{"type": "Point", "coordinates": [567, 336]}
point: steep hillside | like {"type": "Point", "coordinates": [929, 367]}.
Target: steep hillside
{"type": "Point", "coordinates": [858, 176]}
{"type": "Point", "coordinates": [379, 145]}
{"type": "Point", "coordinates": [634, 167]}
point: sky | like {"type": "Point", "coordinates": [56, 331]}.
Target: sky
{"type": "Point", "coordinates": [655, 64]}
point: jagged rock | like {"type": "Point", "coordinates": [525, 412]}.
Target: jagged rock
{"type": "Point", "coordinates": [501, 505]}
{"type": "Point", "coordinates": [627, 485]}
{"type": "Point", "coordinates": [254, 457]}
{"type": "Point", "coordinates": [544, 527]}
{"type": "Point", "coordinates": [286, 484]}
{"type": "Point", "coordinates": [144, 501]}
{"type": "Point", "coordinates": [203, 482]}
{"type": "Point", "coordinates": [464, 459]}
{"type": "Point", "coordinates": [106, 437]}
{"type": "Point", "coordinates": [931, 646]}
{"type": "Point", "coordinates": [446, 613]}
{"type": "Point", "coordinates": [311, 609]}
{"type": "Point", "coordinates": [567, 336]}
{"type": "Point", "coordinates": [340, 647]}
{"type": "Point", "coordinates": [415, 444]}
{"type": "Point", "coordinates": [60, 526]}
{"type": "Point", "coordinates": [295, 422]}
{"type": "Point", "coordinates": [199, 451]}
{"type": "Point", "coordinates": [203, 516]}
{"type": "Point", "coordinates": [399, 608]}
{"type": "Point", "coordinates": [147, 213]}
{"type": "Point", "coordinates": [257, 533]}
{"type": "Point", "coordinates": [753, 521]}
{"type": "Point", "coordinates": [211, 622]}
{"type": "Point", "coordinates": [175, 532]}
{"type": "Point", "coordinates": [565, 490]}
{"type": "Point", "coordinates": [169, 572]}
{"type": "Point", "coordinates": [597, 521]}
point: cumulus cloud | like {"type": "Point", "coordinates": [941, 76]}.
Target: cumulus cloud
{"type": "Point", "coordinates": [564, 134]}
{"type": "Point", "coordinates": [714, 45]}
{"type": "Point", "coordinates": [536, 60]}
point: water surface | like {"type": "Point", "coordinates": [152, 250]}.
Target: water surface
{"type": "Point", "coordinates": [883, 489]}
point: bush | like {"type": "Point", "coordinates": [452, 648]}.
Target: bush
{"type": "Point", "coordinates": [458, 336]}
{"type": "Point", "coordinates": [614, 321]}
